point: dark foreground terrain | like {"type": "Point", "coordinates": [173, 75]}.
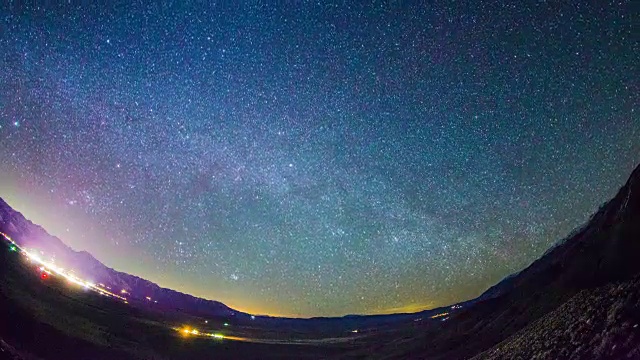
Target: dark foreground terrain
{"type": "Point", "coordinates": [51, 319]}
{"type": "Point", "coordinates": [578, 301]}
{"type": "Point", "coordinates": [581, 300]}
{"type": "Point", "coordinates": [602, 323]}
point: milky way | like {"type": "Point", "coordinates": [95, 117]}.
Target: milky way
{"type": "Point", "coordinates": [317, 159]}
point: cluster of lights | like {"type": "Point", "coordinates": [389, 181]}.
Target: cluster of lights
{"type": "Point", "coordinates": [440, 315]}
{"type": "Point", "coordinates": [47, 269]}
{"type": "Point", "coordinates": [187, 331]}
{"type": "Point", "coordinates": [194, 332]}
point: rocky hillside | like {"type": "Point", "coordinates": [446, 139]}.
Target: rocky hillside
{"type": "Point", "coordinates": [602, 323]}
{"type": "Point", "coordinates": [604, 251]}
{"type": "Point", "coordinates": [580, 269]}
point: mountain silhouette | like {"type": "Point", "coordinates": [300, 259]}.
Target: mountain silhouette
{"type": "Point", "coordinates": [31, 236]}
{"type": "Point", "coordinates": [593, 265]}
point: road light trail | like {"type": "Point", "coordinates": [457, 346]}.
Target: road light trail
{"type": "Point", "coordinates": [48, 268]}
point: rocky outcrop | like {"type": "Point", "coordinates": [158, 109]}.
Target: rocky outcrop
{"type": "Point", "coordinates": [602, 323]}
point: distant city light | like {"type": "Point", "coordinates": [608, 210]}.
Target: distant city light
{"type": "Point", "coordinates": [440, 315]}
{"type": "Point", "coordinates": [186, 331]}
{"type": "Point", "coordinates": [253, 317]}
{"type": "Point", "coordinates": [48, 268]}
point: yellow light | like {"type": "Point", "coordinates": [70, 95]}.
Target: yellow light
{"type": "Point", "coordinates": [440, 315]}
{"type": "Point", "coordinates": [194, 332]}
{"type": "Point", "coordinates": [218, 336]}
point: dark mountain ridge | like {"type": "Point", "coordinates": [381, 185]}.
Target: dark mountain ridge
{"type": "Point", "coordinates": [32, 236]}
{"type": "Point", "coordinates": [604, 251]}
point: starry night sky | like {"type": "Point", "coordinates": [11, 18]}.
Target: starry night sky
{"type": "Point", "coordinates": [317, 159]}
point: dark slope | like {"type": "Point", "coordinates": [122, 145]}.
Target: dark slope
{"type": "Point", "coordinates": [601, 323]}
{"type": "Point", "coordinates": [598, 269]}
{"type": "Point", "coordinates": [32, 236]}
{"type": "Point", "coordinates": [601, 251]}
{"type": "Point", "coordinates": [604, 251]}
